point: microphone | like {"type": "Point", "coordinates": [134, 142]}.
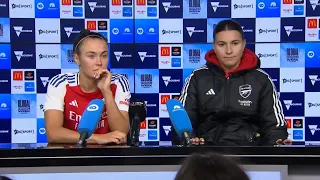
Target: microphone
{"type": "Point", "coordinates": [89, 121]}
{"type": "Point", "coordinates": [137, 114]}
{"type": "Point", "coordinates": [180, 120]}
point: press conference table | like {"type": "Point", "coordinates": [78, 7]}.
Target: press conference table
{"type": "Point", "coordinates": [31, 155]}
{"type": "Point", "coordinates": [26, 155]}
{"type": "Point", "coordinates": [295, 158]}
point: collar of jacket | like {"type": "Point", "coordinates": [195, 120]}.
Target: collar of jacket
{"type": "Point", "coordinates": [249, 61]}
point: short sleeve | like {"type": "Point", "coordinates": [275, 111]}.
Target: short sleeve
{"type": "Point", "coordinates": [122, 95]}
{"type": "Point", "coordinates": [56, 92]}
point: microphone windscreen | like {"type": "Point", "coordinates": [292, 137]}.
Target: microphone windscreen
{"type": "Point", "coordinates": [179, 117]}
{"type": "Point", "coordinates": [138, 107]}
{"type": "Point", "coordinates": [91, 117]}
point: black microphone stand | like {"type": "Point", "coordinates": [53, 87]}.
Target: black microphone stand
{"type": "Point", "coordinates": [135, 131]}
{"type": "Point", "coordinates": [83, 140]}
{"type": "Point", "coordinates": [186, 140]}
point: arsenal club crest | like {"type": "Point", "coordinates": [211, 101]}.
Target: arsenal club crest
{"type": "Point", "coordinates": [245, 90]}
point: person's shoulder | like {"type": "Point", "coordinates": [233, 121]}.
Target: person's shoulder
{"type": "Point", "coordinates": [120, 79]}
{"type": "Point", "coordinates": [201, 70]}
{"type": "Point", "coordinates": [60, 80]}
{"type": "Point", "coordinates": [262, 75]}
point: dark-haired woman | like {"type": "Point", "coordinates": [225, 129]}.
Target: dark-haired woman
{"type": "Point", "coordinates": [68, 95]}
{"type": "Point", "coordinates": [210, 166]}
{"type": "Point", "coordinates": [4, 178]}
{"type": "Point", "coordinates": [230, 100]}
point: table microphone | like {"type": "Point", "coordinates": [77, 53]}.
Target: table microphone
{"type": "Point", "coordinates": [89, 121]}
{"type": "Point", "coordinates": [137, 114]}
{"type": "Point", "coordinates": [180, 120]}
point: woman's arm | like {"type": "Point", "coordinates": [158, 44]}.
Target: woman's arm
{"type": "Point", "coordinates": [188, 99]}
{"type": "Point", "coordinates": [118, 106]}
{"type": "Point", "coordinates": [272, 123]}
{"type": "Point", "coordinates": [56, 133]}
{"type": "Point", "coordinates": [117, 119]}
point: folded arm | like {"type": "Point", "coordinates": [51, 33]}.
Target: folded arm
{"type": "Point", "coordinates": [56, 133]}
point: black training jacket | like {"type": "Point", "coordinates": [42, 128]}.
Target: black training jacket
{"type": "Point", "coordinates": [238, 108]}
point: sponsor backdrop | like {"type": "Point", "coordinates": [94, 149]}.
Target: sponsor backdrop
{"type": "Point", "coordinates": [156, 44]}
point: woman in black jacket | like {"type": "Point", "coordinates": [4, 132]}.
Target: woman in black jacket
{"type": "Point", "coordinates": [230, 100]}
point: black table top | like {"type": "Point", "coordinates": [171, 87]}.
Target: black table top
{"type": "Point", "coordinates": [33, 155]}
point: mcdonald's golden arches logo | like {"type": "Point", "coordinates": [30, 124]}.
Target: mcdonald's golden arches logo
{"type": "Point", "coordinates": [312, 23]}
{"type": "Point", "coordinates": [17, 75]}
{"type": "Point", "coordinates": [287, 1]}
{"type": "Point", "coordinates": [164, 99]}
{"type": "Point", "coordinates": [141, 2]}
{"type": "Point", "coordinates": [91, 25]}
{"type": "Point", "coordinates": [116, 2]}
{"type": "Point", "coordinates": [66, 2]}
{"type": "Point", "coordinates": [165, 51]}
{"type": "Point", "coordinates": [143, 125]}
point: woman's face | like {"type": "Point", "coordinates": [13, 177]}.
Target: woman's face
{"type": "Point", "coordinates": [229, 46]}
{"type": "Point", "coordinates": [93, 56]}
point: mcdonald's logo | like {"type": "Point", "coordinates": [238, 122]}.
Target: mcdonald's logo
{"type": "Point", "coordinates": [143, 125]}
{"type": "Point", "coordinates": [312, 23]}
{"type": "Point", "coordinates": [287, 1]}
{"type": "Point", "coordinates": [66, 2]}
{"type": "Point", "coordinates": [141, 2]}
{"type": "Point", "coordinates": [91, 25]}
{"type": "Point", "coordinates": [289, 123]}
{"type": "Point", "coordinates": [17, 75]}
{"type": "Point", "coordinates": [116, 2]}
{"type": "Point", "coordinates": [165, 51]}
{"type": "Point", "coordinates": [164, 99]}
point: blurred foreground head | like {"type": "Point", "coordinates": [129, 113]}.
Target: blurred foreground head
{"type": "Point", "coordinates": [210, 167]}
{"type": "Point", "coordinates": [4, 178]}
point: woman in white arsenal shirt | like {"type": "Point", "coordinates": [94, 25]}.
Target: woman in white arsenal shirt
{"type": "Point", "coordinates": [68, 95]}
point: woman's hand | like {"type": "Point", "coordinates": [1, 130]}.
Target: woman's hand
{"type": "Point", "coordinates": [284, 142]}
{"type": "Point", "coordinates": [197, 141]}
{"type": "Point", "coordinates": [112, 137]}
{"type": "Point", "coordinates": [104, 79]}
